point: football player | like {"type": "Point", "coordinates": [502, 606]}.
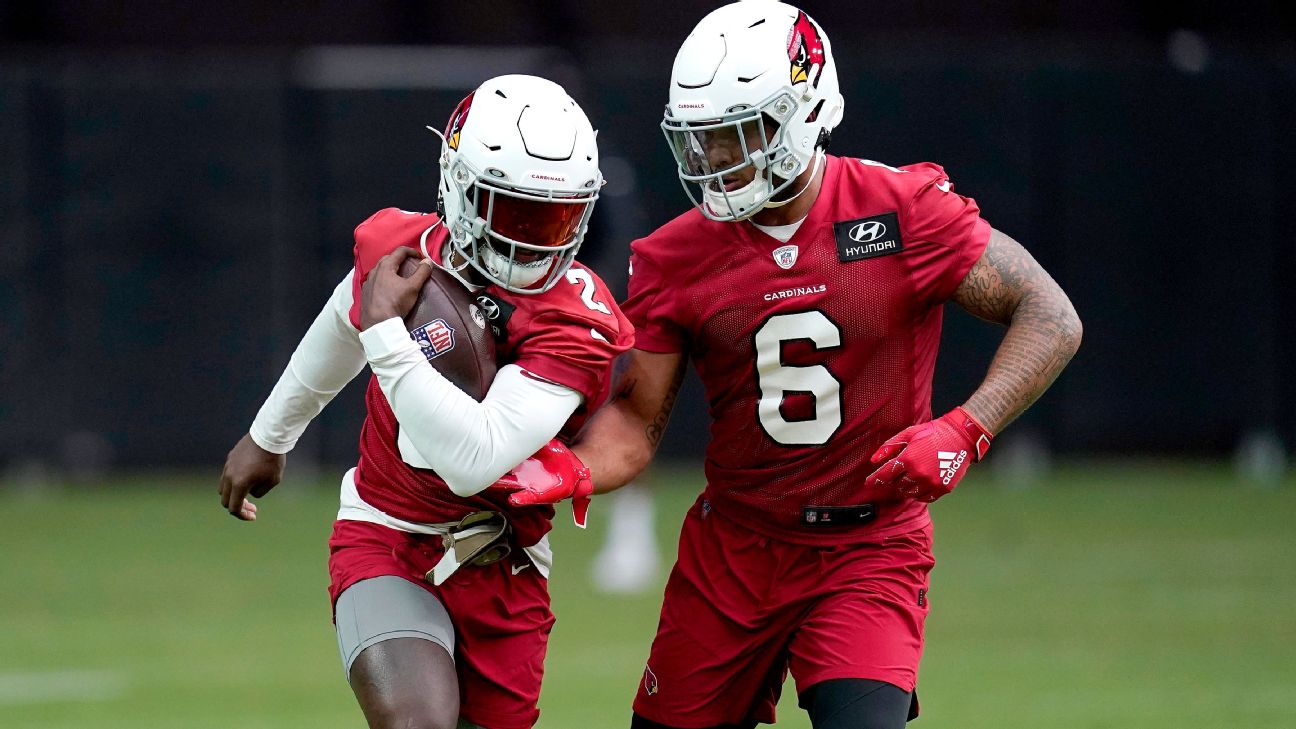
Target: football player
{"type": "Point", "coordinates": [807, 290]}
{"type": "Point", "coordinates": [438, 584]}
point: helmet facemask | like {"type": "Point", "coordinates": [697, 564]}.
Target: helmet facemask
{"type": "Point", "coordinates": [755, 137]}
{"type": "Point", "coordinates": [520, 239]}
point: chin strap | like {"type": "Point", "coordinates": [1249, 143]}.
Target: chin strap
{"type": "Point", "coordinates": [722, 201]}
{"type": "Point", "coordinates": [819, 159]}
{"type": "Point", "coordinates": [448, 253]}
{"type": "Point", "coordinates": [423, 239]}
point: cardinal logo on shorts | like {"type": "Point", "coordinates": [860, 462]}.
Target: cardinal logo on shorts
{"type": "Point", "coordinates": [805, 49]}
{"type": "Point", "coordinates": [650, 681]}
{"type": "Point", "coordinates": [786, 257]}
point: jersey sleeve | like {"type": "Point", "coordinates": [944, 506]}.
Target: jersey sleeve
{"type": "Point", "coordinates": [648, 306]}
{"type": "Point", "coordinates": [575, 350]}
{"type": "Point", "coordinates": [380, 234]}
{"type": "Point", "coordinates": [469, 444]}
{"type": "Point", "coordinates": [327, 358]}
{"type": "Point", "coordinates": [948, 232]}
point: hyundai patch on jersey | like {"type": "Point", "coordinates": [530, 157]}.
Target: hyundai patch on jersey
{"type": "Point", "coordinates": [868, 237]}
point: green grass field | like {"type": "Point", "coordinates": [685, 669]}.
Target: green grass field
{"type": "Point", "coordinates": [1149, 596]}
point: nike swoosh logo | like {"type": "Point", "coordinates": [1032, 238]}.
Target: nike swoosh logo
{"type": "Point", "coordinates": [519, 567]}
{"type": "Point", "coordinates": [943, 186]}
{"type": "Point", "coordinates": [594, 333]}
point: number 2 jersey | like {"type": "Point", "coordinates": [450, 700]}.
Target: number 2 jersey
{"type": "Point", "coordinates": [568, 335]}
{"type": "Point", "coordinates": [814, 351]}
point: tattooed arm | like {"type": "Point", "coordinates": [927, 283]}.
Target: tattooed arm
{"type": "Point", "coordinates": [1007, 286]}
{"type": "Point", "coordinates": [621, 438]}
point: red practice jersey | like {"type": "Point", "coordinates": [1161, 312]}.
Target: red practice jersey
{"type": "Point", "coordinates": [815, 351]}
{"type": "Point", "coordinates": [568, 335]}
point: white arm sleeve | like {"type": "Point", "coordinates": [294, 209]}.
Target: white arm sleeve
{"type": "Point", "coordinates": [469, 444]}
{"type": "Point", "coordinates": [328, 357]}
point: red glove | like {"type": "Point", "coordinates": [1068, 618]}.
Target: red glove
{"type": "Point", "coordinates": [554, 473]}
{"type": "Point", "coordinates": [925, 462]}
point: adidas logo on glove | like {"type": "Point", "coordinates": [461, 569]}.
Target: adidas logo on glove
{"type": "Point", "coordinates": [950, 462]}
{"type": "Point", "coordinates": [905, 461]}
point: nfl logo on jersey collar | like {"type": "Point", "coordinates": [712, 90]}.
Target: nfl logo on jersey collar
{"type": "Point", "coordinates": [786, 256]}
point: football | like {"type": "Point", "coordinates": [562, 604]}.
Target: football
{"type": "Point", "coordinates": [452, 331]}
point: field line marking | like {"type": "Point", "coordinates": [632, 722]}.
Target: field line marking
{"type": "Point", "coordinates": [38, 687]}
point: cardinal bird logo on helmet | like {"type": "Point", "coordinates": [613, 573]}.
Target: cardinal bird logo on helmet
{"type": "Point", "coordinates": [805, 48]}
{"type": "Point", "coordinates": [457, 120]}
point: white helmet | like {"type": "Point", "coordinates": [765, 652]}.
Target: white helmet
{"type": "Point", "coordinates": [744, 66]}
{"type": "Point", "coordinates": [519, 178]}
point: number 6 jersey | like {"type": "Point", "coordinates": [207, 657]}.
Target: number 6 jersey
{"type": "Point", "coordinates": [814, 351]}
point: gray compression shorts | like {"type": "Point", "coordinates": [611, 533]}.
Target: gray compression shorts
{"type": "Point", "coordinates": [382, 608]}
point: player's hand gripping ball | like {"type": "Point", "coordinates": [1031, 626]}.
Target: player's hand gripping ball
{"type": "Point", "coordinates": [452, 330]}
{"type": "Point", "coordinates": [385, 293]}
{"type": "Point", "coordinates": [925, 462]}
{"type": "Point", "coordinates": [442, 316]}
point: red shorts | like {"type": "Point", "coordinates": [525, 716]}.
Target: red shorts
{"type": "Point", "coordinates": [502, 620]}
{"type": "Point", "coordinates": [741, 610]}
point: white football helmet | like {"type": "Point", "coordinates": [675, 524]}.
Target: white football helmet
{"type": "Point", "coordinates": [519, 178]}
{"type": "Point", "coordinates": [758, 69]}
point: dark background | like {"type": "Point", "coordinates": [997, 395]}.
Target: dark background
{"type": "Point", "coordinates": [180, 180]}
